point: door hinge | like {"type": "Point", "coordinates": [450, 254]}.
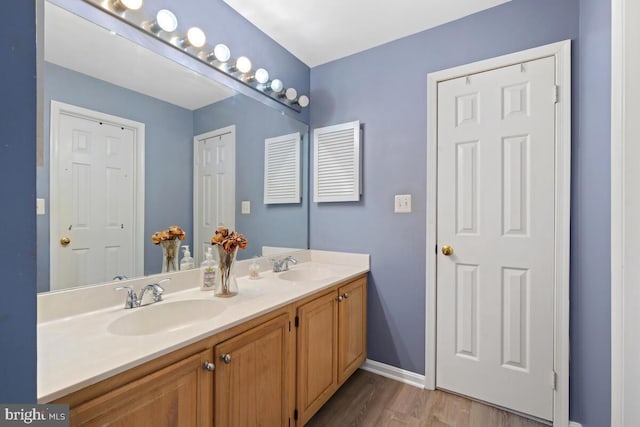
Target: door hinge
{"type": "Point", "coordinates": [436, 248]}
{"type": "Point", "coordinates": [556, 93]}
{"type": "Point", "coordinates": [554, 380]}
{"type": "Point", "coordinates": [295, 414]}
{"type": "Point", "coordinates": [297, 321]}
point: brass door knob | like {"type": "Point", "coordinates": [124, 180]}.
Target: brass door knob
{"type": "Point", "coordinates": [65, 241]}
{"type": "Point", "coordinates": [447, 250]}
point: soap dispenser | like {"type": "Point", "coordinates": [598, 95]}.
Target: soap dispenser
{"type": "Point", "coordinates": [186, 263]}
{"type": "Point", "coordinates": [254, 270]}
{"type": "Point", "coordinates": [209, 269]}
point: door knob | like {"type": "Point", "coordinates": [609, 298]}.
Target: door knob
{"type": "Point", "coordinates": [209, 366]}
{"type": "Point", "coordinates": [447, 250]}
{"type": "Point", "coordinates": [64, 241]}
{"type": "Point", "coordinates": [226, 358]}
{"type": "Point", "coordinates": [339, 298]}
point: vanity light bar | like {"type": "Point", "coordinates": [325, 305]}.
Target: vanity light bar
{"type": "Point", "coordinates": [163, 25]}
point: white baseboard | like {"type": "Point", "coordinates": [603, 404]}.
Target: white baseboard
{"type": "Point", "coordinates": [394, 373]}
{"type": "Point", "coordinates": [574, 424]}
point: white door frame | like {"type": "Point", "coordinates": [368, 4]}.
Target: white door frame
{"type": "Point", "coordinates": [624, 208]}
{"type": "Point", "coordinates": [562, 53]}
{"type": "Point", "coordinates": [138, 129]}
{"type": "Point", "coordinates": [196, 185]}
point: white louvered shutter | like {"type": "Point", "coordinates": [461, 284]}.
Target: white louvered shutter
{"type": "Point", "coordinates": [336, 172]}
{"type": "Point", "coordinates": [282, 169]}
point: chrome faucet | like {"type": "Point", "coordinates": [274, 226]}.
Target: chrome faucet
{"type": "Point", "coordinates": [283, 264]}
{"type": "Point", "coordinates": [150, 294]}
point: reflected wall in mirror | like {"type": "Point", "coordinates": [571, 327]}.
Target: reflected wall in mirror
{"type": "Point", "coordinates": [107, 74]}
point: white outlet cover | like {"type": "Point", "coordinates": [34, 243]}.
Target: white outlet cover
{"type": "Point", "coordinates": [245, 207]}
{"type": "Point", "coordinates": [402, 203]}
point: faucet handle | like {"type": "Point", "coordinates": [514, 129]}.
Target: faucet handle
{"type": "Point", "coordinates": [132, 298]}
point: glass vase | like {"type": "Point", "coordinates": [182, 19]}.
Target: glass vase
{"type": "Point", "coordinates": [227, 284]}
{"type": "Point", "coordinates": [170, 253]}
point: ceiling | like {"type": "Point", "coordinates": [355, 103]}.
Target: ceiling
{"type": "Point", "coordinates": [321, 31]}
{"type": "Point", "coordinates": [102, 54]}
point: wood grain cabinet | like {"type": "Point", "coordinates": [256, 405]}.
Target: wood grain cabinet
{"type": "Point", "coordinates": [331, 344]}
{"type": "Point", "coordinates": [253, 377]}
{"type": "Point", "coordinates": [274, 370]}
{"type": "Point", "coordinates": [178, 395]}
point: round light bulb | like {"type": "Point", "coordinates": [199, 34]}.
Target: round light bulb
{"type": "Point", "coordinates": [291, 94]}
{"type": "Point", "coordinates": [196, 37]}
{"type": "Point", "coordinates": [261, 75]}
{"type": "Point", "coordinates": [221, 52]}
{"type": "Point", "coordinates": [129, 4]}
{"type": "Point", "coordinates": [166, 20]}
{"type": "Point", "coordinates": [277, 85]}
{"type": "Point", "coordinates": [303, 101]}
{"type": "Point", "coordinates": [243, 64]}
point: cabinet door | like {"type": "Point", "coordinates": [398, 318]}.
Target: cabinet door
{"type": "Point", "coordinates": [252, 377]}
{"type": "Point", "coordinates": [178, 395]}
{"type": "Point", "coordinates": [352, 328]}
{"type": "Point", "coordinates": [317, 354]}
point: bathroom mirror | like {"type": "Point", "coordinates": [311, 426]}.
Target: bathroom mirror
{"type": "Point", "coordinates": [90, 70]}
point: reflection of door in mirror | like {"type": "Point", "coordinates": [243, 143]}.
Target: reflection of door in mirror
{"type": "Point", "coordinates": [214, 186]}
{"type": "Point", "coordinates": [93, 196]}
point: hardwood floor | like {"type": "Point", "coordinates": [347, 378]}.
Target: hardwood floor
{"type": "Point", "coordinates": [368, 399]}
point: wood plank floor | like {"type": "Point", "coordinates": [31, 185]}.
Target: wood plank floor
{"type": "Point", "coordinates": [368, 399]}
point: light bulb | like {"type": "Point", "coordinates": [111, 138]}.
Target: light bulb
{"type": "Point", "coordinates": [196, 37]}
{"type": "Point", "coordinates": [261, 75]}
{"type": "Point", "coordinates": [243, 64]}
{"type": "Point", "coordinates": [276, 85]}
{"type": "Point", "coordinates": [291, 94]}
{"type": "Point", "coordinates": [221, 52]}
{"type": "Point", "coordinates": [166, 20]}
{"type": "Point", "coordinates": [128, 4]}
{"type": "Point", "coordinates": [303, 101]}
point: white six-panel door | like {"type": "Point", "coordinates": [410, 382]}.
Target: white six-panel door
{"type": "Point", "coordinates": [214, 186]}
{"type": "Point", "coordinates": [95, 201]}
{"type": "Point", "coordinates": [495, 209]}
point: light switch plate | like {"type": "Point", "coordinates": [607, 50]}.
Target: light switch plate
{"type": "Point", "coordinates": [402, 203]}
{"type": "Point", "coordinates": [245, 207]}
{"type": "Point", "coordinates": [40, 207]}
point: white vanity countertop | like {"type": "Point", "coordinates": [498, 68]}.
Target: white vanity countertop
{"type": "Point", "coordinates": [77, 350]}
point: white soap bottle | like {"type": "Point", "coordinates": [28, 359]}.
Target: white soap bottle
{"type": "Point", "coordinates": [208, 272]}
{"type": "Point", "coordinates": [186, 263]}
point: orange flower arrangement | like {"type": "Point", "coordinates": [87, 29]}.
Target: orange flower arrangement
{"type": "Point", "coordinates": [229, 241]}
{"type": "Point", "coordinates": [172, 233]}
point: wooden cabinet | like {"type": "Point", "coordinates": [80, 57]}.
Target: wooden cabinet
{"type": "Point", "coordinates": [352, 328]}
{"type": "Point", "coordinates": [253, 379]}
{"type": "Point", "coordinates": [331, 338]}
{"type": "Point", "coordinates": [178, 395]}
{"type": "Point", "coordinates": [267, 371]}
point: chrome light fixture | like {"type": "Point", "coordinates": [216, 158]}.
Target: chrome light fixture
{"type": "Point", "coordinates": [122, 5]}
{"type": "Point", "coordinates": [194, 44]}
{"type": "Point", "coordinates": [261, 76]}
{"type": "Point", "coordinates": [243, 65]}
{"type": "Point", "coordinates": [165, 21]}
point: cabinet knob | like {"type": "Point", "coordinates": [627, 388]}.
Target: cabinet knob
{"type": "Point", "coordinates": [340, 298]}
{"type": "Point", "coordinates": [226, 358]}
{"type": "Point", "coordinates": [209, 366]}
{"type": "Point", "coordinates": [346, 295]}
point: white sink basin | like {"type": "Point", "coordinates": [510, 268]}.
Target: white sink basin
{"type": "Point", "coordinates": [304, 273]}
{"type": "Point", "coordinates": [164, 317]}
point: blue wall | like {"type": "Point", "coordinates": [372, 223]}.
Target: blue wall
{"type": "Point", "coordinates": [590, 381]}
{"type": "Point", "coordinates": [168, 156]}
{"type": "Point", "coordinates": [284, 225]}
{"type": "Point", "coordinates": [17, 214]}
{"type": "Point", "coordinates": [385, 88]}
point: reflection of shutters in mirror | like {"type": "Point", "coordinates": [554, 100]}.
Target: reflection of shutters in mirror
{"type": "Point", "coordinates": [337, 158]}
{"type": "Point", "coordinates": [282, 169]}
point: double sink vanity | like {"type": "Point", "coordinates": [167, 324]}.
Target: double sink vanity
{"type": "Point", "coordinates": [272, 355]}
